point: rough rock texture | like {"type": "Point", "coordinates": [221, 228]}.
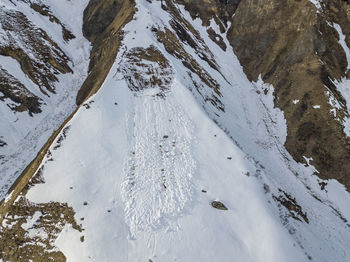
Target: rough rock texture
{"type": "Point", "coordinates": [45, 11]}
{"type": "Point", "coordinates": [39, 56]}
{"type": "Point", "coordinates": [295, 48]}
{"type": "Point", "coordinates": [11, 88]}
{"type": "Point", "coordinates": [103, 24]}
{"type": "Point", "coordinates": [288, 43]}
{"type": "Point", "coordinates": [45, 221]}
{"type": "Point", "coordinates": [219, 10]}
{"type": "Point", "coordinates": [146, 68]}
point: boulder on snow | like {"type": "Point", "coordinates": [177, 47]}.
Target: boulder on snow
{"type": "Point", "coordinates": [218, 205]}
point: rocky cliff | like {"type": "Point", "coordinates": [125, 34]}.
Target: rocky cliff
{"type": "Point", "coordinates": [178, 107]}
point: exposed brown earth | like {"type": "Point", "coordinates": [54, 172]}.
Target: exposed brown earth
{"type": "Point", "coordinates": [288, 43]}
{"type": "Point", "coordinates": [23, 99]}
{"type": "Point", "coordinates": [295, 210]}
{"type": "Point", "coordinates": [16, 244]}
{"type": "Point", "coordinates": [103, 24]}
{"type": "Point", "coordinates": [219, 10]}
{"type": "Point", "coordinates": [45, 62]}
{"type": "Point", "coordinates": [174, 47]}
{"type": "Point", "coordinates": [299, 54]}
{"type": "Point", "coordinates": [146, 68]}
{"type": "Point", "coordinates": [45, 11]}
{"type": "Point", "coordinates": [295, 49]}
{"type": "Point", "coordinates": [49, 61]}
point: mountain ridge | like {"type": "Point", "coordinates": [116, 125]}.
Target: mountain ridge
{"type": "Point", "coordinates": [167, 123]}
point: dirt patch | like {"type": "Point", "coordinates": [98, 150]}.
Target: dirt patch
{"type": "Point", "coordinates": [22, 99]}
{"type": "Point", "coordinates": [103, 26]}
{"type": "Point", "coordinates": [299, 54]}
{"type": "Point", "coordinates": [174, 47]}
{"type": "Point", "coordinates": [295, 210]}
{"type": "Point", "coordinates": [146, 68]}
{"type": "Point", "coordinates": [45, 11]}
{"type": "Point", "coordinates": [29, 230]}
{"type": "Point", "coordinates": [218, 39]}
{"type": "Point", "coordinates": [39, 56]}
{"type": "Point", "coordinates": [219, 10]}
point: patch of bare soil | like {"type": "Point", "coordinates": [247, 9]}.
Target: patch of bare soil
{"type": "Point", "coordinates": [295, 210]}
{"type": "Point", "coordinates": [22, 99]}
{"type": "Point", "coordinates": [146, 68]}
{"type": "Point", "coordinates": [296, 49]}
{"type": "Point", "coordinates": [45, 11]}
{"type": "Point", "coordinates": [39, 56]}
{"type": "Point", "coordinates": [218, 39]}
{"type": "Point", "coordinates": [174, 47]}
{"type": "Point", "coordinates": [103, 27]}
{"type": "Point", "coordinates": [28, 232]}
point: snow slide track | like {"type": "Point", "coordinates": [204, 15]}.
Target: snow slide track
{"type": "Point", "coordinates": [158, 172]}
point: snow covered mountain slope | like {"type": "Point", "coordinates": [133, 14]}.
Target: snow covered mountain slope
{"type": "Point", "coordinates": [177, 157]}
{"type": "Point", "coordinates": [303, 56]}
{"type": "Point", "coordinates": [43, 62]}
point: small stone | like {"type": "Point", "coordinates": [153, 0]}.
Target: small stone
{"type": "Point", "coordinates": [204, 191]}
{"type": "Point", "coordinates": [229, 158]}
{"type": "Point", "coordinates": [85, 203]}
{"type": "Point", "coordinates": [266, 188]}
{"type": "Point", "coordinates": [218, 205]}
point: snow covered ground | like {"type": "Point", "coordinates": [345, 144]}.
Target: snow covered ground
{"type": "Point", "coordinates": [25, 134]}
{"type": "Point", "coordinates": [145, 201]}
{"type": "Point", "coordinates": [141, 171]}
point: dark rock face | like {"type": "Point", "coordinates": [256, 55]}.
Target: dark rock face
{"type": "Point", "coordinates": [45, 11]}
{"type": "Point", "coordinates": [145, 68]}
{"type": "Point", "coordinates": [219, 10]}
{"type": "Point", "coordinates": [11, 88]}
{"type": "Point", "coordinates": [296, 49]}
{"type": "Point", "coordinates": [98, 16]}
{"type": "Point", "coordinates": [40, 58]}
{"type": "Point", "coordinates": [103, 24]}
{"type": "Point", "coordinates": [218, 205]}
